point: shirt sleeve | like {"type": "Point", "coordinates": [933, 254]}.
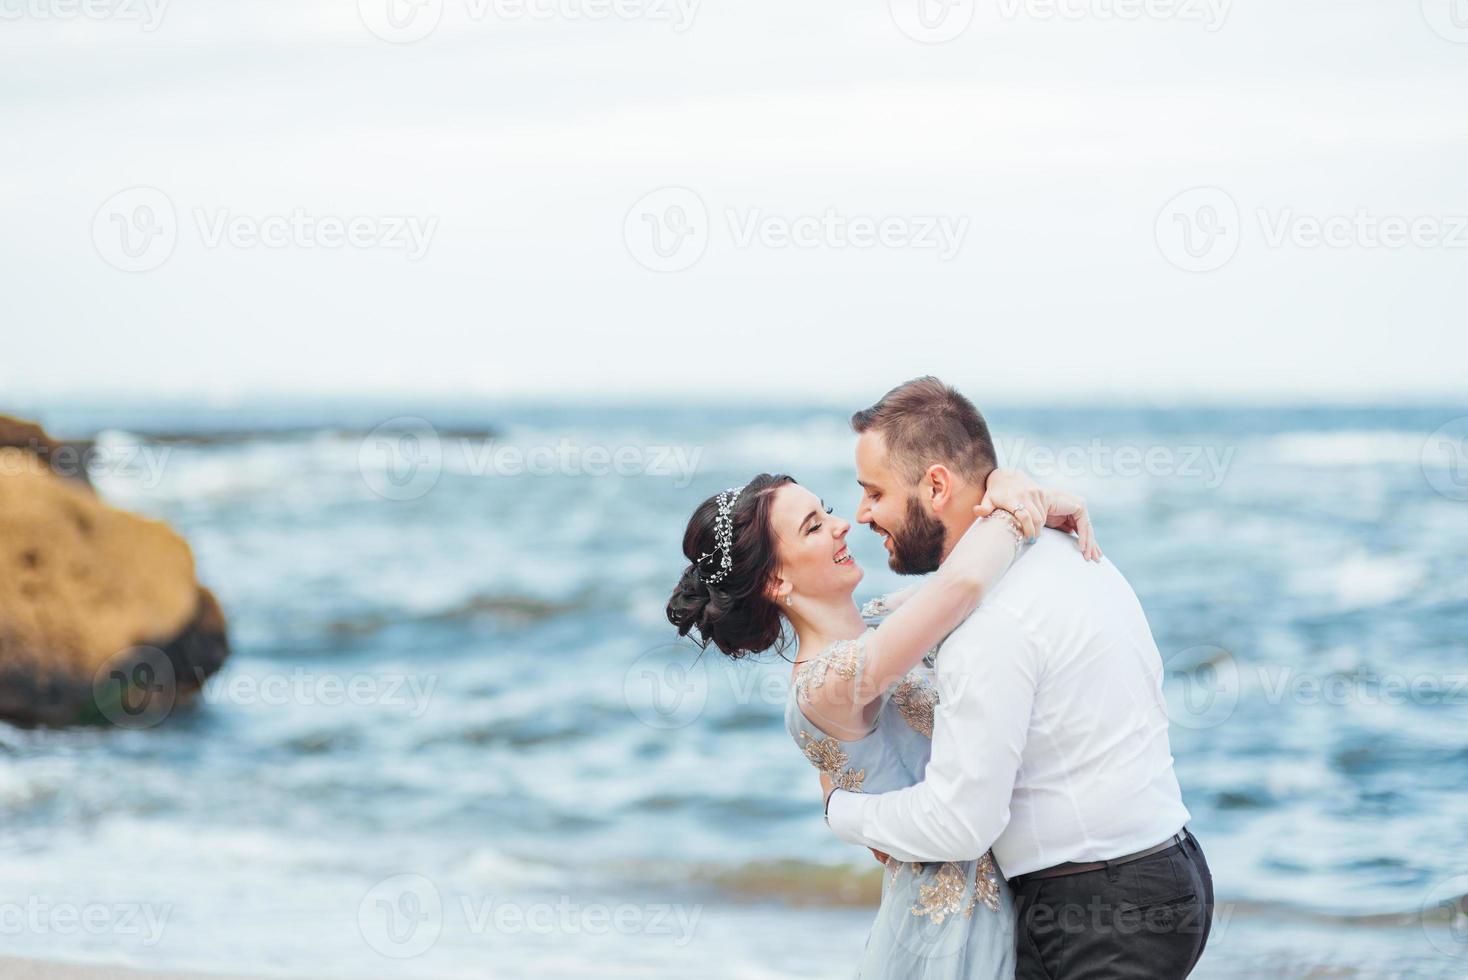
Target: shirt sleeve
{"type": "Point", "coordinates": [987, 673]}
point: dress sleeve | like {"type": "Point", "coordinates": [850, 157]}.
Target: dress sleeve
{"type": "Point", "coordinates": [831, 689]}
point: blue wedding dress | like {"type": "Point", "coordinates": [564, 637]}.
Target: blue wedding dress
{"type": "Point", "coordinates": [950, 920]}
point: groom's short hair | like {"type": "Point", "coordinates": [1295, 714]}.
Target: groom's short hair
{"type": "Point", "coordinates": [924, 421]}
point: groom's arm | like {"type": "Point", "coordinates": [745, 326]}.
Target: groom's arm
{"type": "Point", "coordinates": [987, 675]}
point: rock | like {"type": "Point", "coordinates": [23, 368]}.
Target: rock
{"type": "Point", "coordinates": [92, 599]}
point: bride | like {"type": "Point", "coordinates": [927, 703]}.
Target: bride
{"type": "Point", "coordinates": [862, 698]}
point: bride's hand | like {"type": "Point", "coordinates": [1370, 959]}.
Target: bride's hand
{"type": "Point", "coordinates": [1067, 512]}
{"type": "Point", "coordinates": [1015, 492]}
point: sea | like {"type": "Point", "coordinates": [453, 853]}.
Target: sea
{"type": "Point", "coordinates": [457, 736]}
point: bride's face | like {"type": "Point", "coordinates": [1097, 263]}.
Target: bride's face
{"type": "Point", "coordinates": [811, 544]}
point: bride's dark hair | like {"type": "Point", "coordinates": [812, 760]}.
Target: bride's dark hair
{"type": "Point", "coordinates": [734, 614]}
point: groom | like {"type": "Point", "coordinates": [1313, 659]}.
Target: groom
{"type": "Point", "coordinates": [1050, 741]}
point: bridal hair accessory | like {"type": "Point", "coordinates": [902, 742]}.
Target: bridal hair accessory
{"type": "Point", "coordinates": [723, 536]}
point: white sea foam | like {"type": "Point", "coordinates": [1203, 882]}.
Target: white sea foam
{"type": "Point", "coordinates": [1347, 447]}
{"type": "Point", "coordinates": [1361, 579]}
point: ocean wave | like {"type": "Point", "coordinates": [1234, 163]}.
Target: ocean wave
{"type": "Point", "coordinates": [1363, 447]}
{"type": "Point", "coordinates": [502, 608]}
{"type": "Point", "coordinates": [1361, 580]}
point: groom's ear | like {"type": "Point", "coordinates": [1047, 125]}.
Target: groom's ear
{"type": "Point", "coordinates": [937, 488]}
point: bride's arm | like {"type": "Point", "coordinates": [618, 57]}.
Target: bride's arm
{"type": "Point", "coordinates": [977, 562]}
{"type": "Point", "coordinates": [980, 558]}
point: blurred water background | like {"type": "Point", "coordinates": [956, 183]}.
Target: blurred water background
{"type": "Point", "coordinates": [457, 738]}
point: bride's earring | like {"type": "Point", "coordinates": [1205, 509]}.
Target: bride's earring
{"type": "Point", "coordinates": [790, 600]}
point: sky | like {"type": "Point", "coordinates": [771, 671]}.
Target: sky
{"type": "Point", "coordinates": [1045, 200]}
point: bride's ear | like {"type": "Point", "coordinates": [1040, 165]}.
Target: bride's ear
{"type": "Point", "coordinates": [778, 589]}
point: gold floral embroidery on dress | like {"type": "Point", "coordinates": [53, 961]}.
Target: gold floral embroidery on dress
{"type": "Point", "coordinates": [827, 755]}
{"type": "Point", "coordinates": [894, 866]}
{"type": "Point", "coordinates": [916, 699]}
{"type": "Point", "coordinates": [944, 897]}
{"type": "Point", "coordinates": [986, 885]}
{"type": "Point", "coordinates": [843, 657]}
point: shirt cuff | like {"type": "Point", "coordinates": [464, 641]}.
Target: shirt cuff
{"type": "Point", "coordinates": [844, 815]}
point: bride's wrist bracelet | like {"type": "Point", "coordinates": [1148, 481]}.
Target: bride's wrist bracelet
{"type": "Point", "coordinates": [1012, 523]}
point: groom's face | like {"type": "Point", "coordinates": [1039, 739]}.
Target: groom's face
{"type": "Point", "coordinates": [892, 507]}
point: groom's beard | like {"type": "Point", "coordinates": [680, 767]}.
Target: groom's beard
{"type": "Point", "coordinates": [918, 550]}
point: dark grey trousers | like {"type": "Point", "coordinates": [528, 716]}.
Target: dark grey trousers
{"type": "Point", "coordinates": [1147, 918]}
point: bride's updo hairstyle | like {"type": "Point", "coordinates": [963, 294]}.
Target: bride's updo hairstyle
{"type": "Point", "coordinates": [724, 602]}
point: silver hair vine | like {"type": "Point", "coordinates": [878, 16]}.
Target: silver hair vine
{"type": "Point", "coordinates": [723, 536]}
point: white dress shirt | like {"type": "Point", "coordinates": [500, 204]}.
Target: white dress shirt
{"type": "Point", "coordinates": [1050, 737]}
